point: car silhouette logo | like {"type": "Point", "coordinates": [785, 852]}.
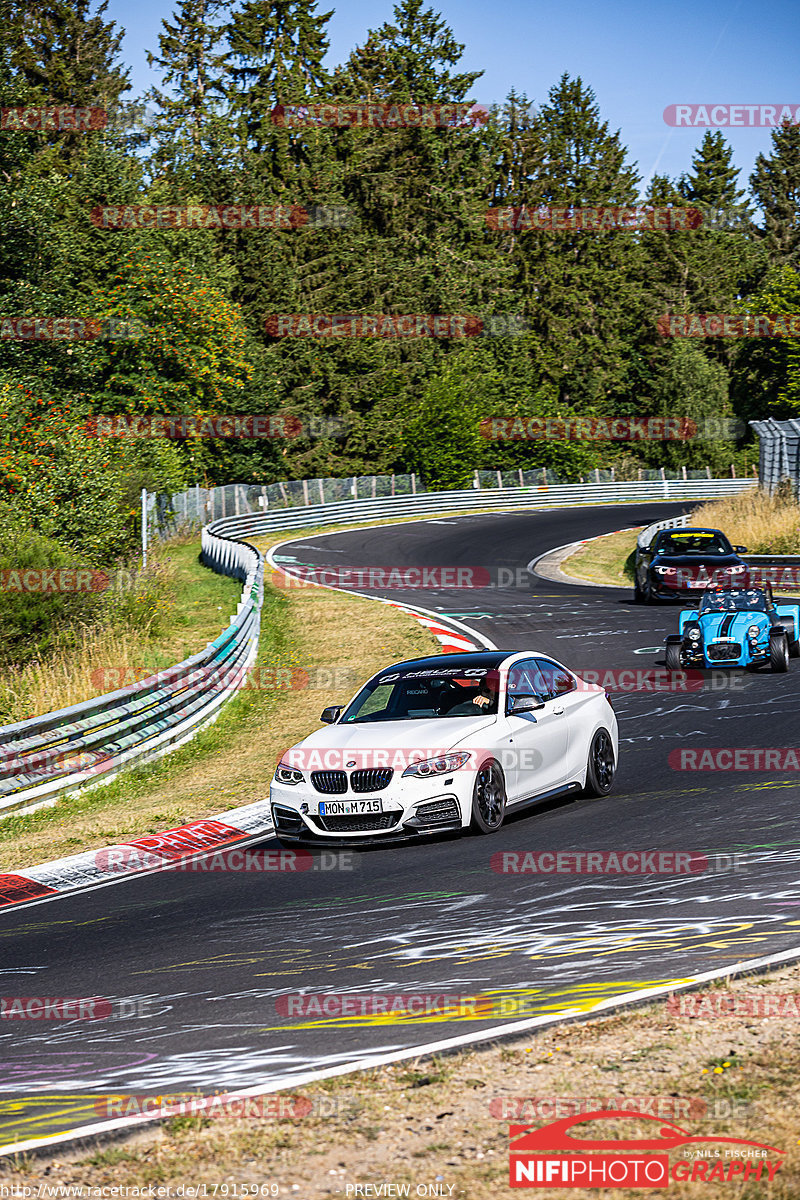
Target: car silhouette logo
{"type": "Point", "coordinates": [556, 1136]}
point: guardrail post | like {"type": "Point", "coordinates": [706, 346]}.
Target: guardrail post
{"type": "Point", "coordinates": [144, 529]}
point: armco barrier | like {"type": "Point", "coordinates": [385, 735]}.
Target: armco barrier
{"type": "Point", "coordinates": [566, 495]}
{"type": "Point", "coordinates": [91, 742]}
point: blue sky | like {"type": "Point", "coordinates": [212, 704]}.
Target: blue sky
{"type": "Point", "coordinates": [637, 57]}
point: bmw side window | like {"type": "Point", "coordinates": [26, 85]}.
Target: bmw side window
{"type": "Point", "coordinates": [557, 681]}
{"type": "Point", "coordinates": [525, 679]}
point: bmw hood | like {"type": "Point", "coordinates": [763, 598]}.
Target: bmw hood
{"type": "Point", "coordinates": [438, 735]}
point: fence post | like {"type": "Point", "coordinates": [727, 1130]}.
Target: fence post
{"type": "Point", "coordinates": [374, 486]}
{"type": "Point", "coordinates": [476, 482]}
{"type": "Point", "coordinates": [355, 487]}
{"type": "Point", "coordinates": [392, 482]}
{"type": "Point", "coordinates": [144, 529]}
{"type": "Point", "coordinates": [500, 480]}
{"type": "Point", "coordinates": [321, 491]}
{"type": "Point", "coordinates": [305, 492]}
{"type": "Point", "coordinates": [413, 484]}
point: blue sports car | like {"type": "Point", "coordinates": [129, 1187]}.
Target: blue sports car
{"type": "Point", "coordinates": [736, 627]}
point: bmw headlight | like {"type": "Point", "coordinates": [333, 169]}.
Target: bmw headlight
{"type": "Point", "coordinates": [286, 774]}
{"type": "Point", "coordinates": [753, 631]}
{"type": "Point", "coordinates": [437, 766]}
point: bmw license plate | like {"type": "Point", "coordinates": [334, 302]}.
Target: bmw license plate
{"type": "Point", "coordinates": [349, 808]}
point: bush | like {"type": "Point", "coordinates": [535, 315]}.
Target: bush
{"type": "Point", "coordinates": [31, 622]}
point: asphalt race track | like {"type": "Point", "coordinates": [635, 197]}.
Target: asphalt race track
{"type": "Point", "coordinates": [201, 959]}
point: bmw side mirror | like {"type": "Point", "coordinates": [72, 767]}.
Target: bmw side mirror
{"type": "Point", "coordinates": [523, 704]}
{"type": "Point", "coordinates": [331, 714]}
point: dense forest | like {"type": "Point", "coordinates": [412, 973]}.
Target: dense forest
{"type": "Point", "coordinates": [570, 317]}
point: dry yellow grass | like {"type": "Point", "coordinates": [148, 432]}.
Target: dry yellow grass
{"type": "Point", "coordinates": [100, 661]}
{"type": "Point", "coordinates": [765, 524]}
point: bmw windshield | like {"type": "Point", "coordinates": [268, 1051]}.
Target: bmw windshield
{"type": "Point", "coordinates": [426, 694]}
{"type": "Point", "coordinates": [710, 543]}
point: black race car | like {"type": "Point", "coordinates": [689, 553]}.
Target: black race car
{"type": "Point", "coordinates": [684, 561]}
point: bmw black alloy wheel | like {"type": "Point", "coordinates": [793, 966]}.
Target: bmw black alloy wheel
{"type": "Point", "coordinates": [489, 799]}
{"type": "Point", "coordinates": [603, 758]}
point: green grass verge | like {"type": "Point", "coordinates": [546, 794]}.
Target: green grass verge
{"type": "Point", "coordinates": [608, 560]}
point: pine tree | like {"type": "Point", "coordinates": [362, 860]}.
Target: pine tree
{"type": "Point", "coordinates": [67, 54]}
{"type": "Point", "coordinates": [191, 131]}
{"type": "Point", "coordinates": [278, 47]}
{"type": "Point", "coordinates": [581, 292]}
{"type": "Point", "coordinates": [776, 187]}
{"type": "Point", "coordinates": [711, 185]}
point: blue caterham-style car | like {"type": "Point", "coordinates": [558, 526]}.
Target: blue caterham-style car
{"type": "Point", "coordinates": [736, 627]}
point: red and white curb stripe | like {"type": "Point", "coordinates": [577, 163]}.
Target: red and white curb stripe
{"type": "Point", "coordinates": [452, 642]}
{"type": "Point", "coordinates": [94, 868]}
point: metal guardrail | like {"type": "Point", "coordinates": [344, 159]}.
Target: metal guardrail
{"type": "Point", "coordinates": [184, 512]}
{"type": "Point", "coordinates": [646, 536]}
{"type": "Point", "coordinates": [91, 742]}
{"type": "Point", "coordinates": [565, 495]}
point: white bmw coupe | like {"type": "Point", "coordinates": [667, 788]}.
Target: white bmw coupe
{"type": "Point", "coordinates": [445, 743]}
